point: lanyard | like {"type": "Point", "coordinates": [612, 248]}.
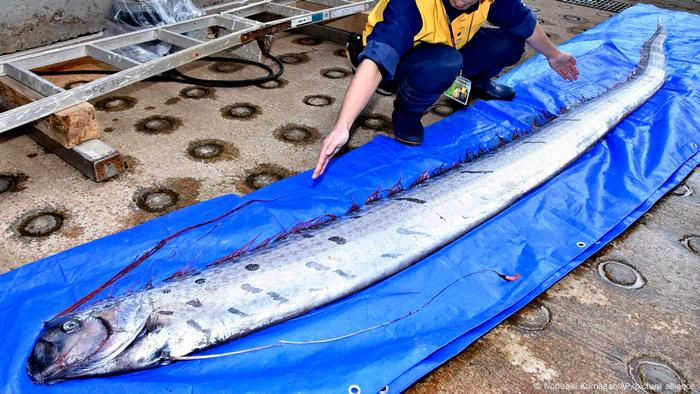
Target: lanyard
{"type": "Point", "coordinates": [452, 34]}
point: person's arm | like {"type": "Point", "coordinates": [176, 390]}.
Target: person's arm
{"type": "Point", "coordinates": [389, 40]}
{"type": "Point", "coordinates": [521, 21]}
{"type": "Point", "coordinates": [362, 86]}
{"type": "Point", "coordinates": [562, 62]}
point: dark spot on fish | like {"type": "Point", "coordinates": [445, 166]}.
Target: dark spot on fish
{"type": "Point", "coordinates": [166, 313]}
{"type": "Point", "coordinates": [194, 324]}
{"type": "Point", "coordinates": [236, 312]}
{"type": "Point", "coordinates": [200, 281]}
{"type": "Point", "coordinates": [252, 267]}
{"type": "Point", "coordinates": [317, 266]}
{"type": "Point", "coordinates": [308, 235]}
{"type": "Point", "coordinates": [165, 291]}
{"type": "Point", "coordinates": [344, 274]}
{"type": "Point", "coordinates": [404, 231]}
{"type": "Point", "coordinates": [172, 100]}
{"type": "Point", "coordinates": [250, 288]}
{"type": "Point", "coordinates": [390, 255]}
{"type": "Point", "coordinates": [338, 240]}
{"type": "Point", "coordinates": [277, 297]}
{"type": "Point", "coordinates": [194, 303]}
{"type": "Point", "coordinates": [152, 324]}
{"type": "Point", "coordinates": [197, 327]}
{"type": "Point", "coordinates": [410, 199]}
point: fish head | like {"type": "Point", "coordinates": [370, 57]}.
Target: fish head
{"type": "Point", "coordinates": [85, 343]}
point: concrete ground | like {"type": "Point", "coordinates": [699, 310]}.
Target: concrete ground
{"type": "Point", "coordinates": [184, 146]}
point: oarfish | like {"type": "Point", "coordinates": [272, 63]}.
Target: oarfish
{"type": "Point", "coordinates": [176, 318]}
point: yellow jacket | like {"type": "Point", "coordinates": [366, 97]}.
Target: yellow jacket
{"type": "Point", "coordinates": [435, 28]}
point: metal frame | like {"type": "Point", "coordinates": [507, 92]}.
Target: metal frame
{"type": "Point", "coordinates": [232, 17]}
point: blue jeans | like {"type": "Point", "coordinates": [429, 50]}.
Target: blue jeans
{"type": "Point", "coordinates": [426, 70]}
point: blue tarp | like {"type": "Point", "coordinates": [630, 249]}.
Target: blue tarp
{"type": "Point", "coordinates": [539, 237]}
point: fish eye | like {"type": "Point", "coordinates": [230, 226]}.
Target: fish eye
{"type": "Point", "coordinates": [70, 326]}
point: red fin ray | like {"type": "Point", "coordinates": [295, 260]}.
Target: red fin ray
{"type": "Point", "coordinates": [150, 252]}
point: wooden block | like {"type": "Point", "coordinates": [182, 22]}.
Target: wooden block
{"type": "Point", "coordinates": [69, 127]}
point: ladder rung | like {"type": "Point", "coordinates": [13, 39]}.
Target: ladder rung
{"type": "Point", "coordinates": [32, 80]}
{"type": "Point", "coordinates": [192, 24]}
{"type": "Point", "coordinates": [111, 58]}
{"type": "Point", "coordinates": [331, 3]}
{"type": "Point", "coordinates": [122, 41]}
{"type": "Point", "coordinates": [225, 7]}
{"type": "Point", "coordinates": [249, 9]}
{"type": "Point", "coordinates": [230, 21]}
{"type": "Point", "coordinates": [284, 10]}
{"type": "Point", "coordinates": [179, 40]}
{"type": "Point", "coordinates": [58, 56]}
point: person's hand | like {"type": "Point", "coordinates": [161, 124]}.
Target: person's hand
{"type": "Point", "coordinates": [329, 147]}
{"type": "Point", "coordinates": [565, 65]}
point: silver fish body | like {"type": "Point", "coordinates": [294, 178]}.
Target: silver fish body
{"type": "Point", "coordinates": [306, 271]}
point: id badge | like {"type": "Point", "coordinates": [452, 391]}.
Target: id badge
{"type": "Point", "coordinates": [459, 90]}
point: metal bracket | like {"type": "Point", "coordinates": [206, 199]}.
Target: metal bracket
{"type": "Point", "coordinates": [97, 160]}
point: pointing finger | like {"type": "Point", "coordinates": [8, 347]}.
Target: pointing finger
{"type": "Point", "coordinates": [319, 168]}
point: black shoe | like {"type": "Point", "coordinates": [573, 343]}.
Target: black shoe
{"type": "Point", "coordinates": [490, 90]}
{"type": "Point", "coordinates": [407, 128]}
{"type": "Point", "coordinates": [352, 49]}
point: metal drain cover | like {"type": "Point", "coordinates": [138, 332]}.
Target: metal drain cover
{"type": "Point", "coordinates": [604, 5]}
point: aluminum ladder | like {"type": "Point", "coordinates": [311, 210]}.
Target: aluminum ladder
{"type": "Point", "coordinates": [233, 18]}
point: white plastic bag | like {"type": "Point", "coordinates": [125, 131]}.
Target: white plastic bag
{"type": "Point", "coordinates": [126, 16]}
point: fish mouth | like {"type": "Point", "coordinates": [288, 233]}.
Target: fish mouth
{"type": "Point", "coordinates": [42, 357]}
{"type": "Point", "coordinates": [49, 361]}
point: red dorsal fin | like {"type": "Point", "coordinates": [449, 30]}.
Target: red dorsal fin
{"type": "Point", "coordinates": [150, 252]}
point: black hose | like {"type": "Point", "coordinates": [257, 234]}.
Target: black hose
{"type": "Point", "coordinates": [177, 76]}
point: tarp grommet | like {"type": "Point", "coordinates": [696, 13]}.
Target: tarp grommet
{"type": "Point", "coordinates": [581, 244]}
{"type": "Point", "coordinates": [354, 389]}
